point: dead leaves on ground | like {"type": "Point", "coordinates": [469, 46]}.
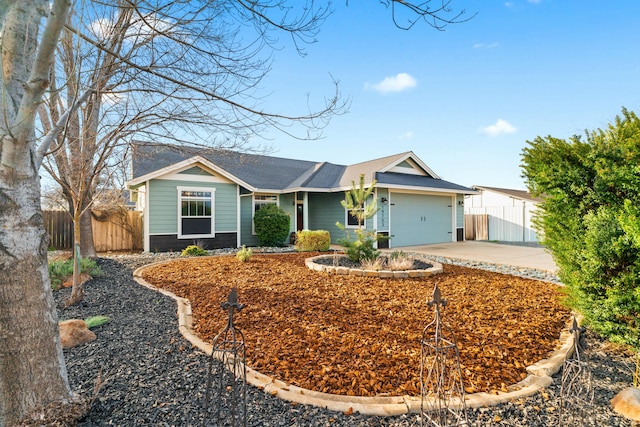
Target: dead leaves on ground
{"type": "Point", "coordinates": [360, 336]}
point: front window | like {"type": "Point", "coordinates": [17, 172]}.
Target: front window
{"type": "Point", "coordinates": [352, 220]}
{"type": "Point", "coordinates": [195, 216]}
{"type": "Point", "coordinates": [260, 200]}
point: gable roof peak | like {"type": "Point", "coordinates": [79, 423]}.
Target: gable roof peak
{"type": "Point", "coordinates": [518, 194]}
{"type": "Point", "coordinates": [386, 159]}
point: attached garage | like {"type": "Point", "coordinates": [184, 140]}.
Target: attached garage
{"type": "Point", "coordinates": [417, 219]}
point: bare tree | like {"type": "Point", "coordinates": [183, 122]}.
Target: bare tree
{"type": "Point", "coordinates": [179, 72]}
{"type": "Point", "coordinates": [163, 52]}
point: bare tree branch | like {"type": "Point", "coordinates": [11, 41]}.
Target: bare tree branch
{"type": "Point", "coordinates": [435, 17]}
{"type": "Point", "coordinates": [332, 105]}
{"type": "Point", "coordinates": [53, 133]}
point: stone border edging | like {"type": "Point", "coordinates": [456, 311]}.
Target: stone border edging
{"type": "Point", "coordinates": [436, 268]}
{"type": "Point", "coordinates": [539, 374]}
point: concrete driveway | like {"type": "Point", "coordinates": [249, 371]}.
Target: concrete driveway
{"type": "Point", "coordinates": [519, 256]}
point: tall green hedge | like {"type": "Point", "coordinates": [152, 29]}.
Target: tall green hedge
{"type": "Point", "coordinates": [272, 225]}
{"type": "Point", "coordinates": [589, 220]}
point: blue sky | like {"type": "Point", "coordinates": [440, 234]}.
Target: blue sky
{"type": "Point", "coordinates": [467, 99]}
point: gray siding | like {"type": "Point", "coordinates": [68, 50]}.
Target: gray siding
{"type": "Point", "coordinates": [459, 210]}
{"type": "Point", "coordinates": [246, 221]}
{"type": "Point", "coordinates": [163, 205]}
{"type": "Point", "coordinates": [287, 204]}
{"type": "Point", "coordinates": [325, 210]}
{"type": "Point", "coordinates": [195, 171]}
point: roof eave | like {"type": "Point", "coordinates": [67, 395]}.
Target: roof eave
{"type": "Point", "coordinates": [429, 189]}
{"type": "Point", "coordinates": [184, 164]}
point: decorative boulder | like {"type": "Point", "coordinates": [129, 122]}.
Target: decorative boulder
{"type": "Point", "coordinates": [627, 403]}
{"type": "Point", "coordinates": [75, 332]}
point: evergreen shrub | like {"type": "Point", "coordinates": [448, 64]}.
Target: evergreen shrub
{"type": "Point", "coordinates": [272, 225]}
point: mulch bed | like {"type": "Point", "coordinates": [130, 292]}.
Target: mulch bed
{"type": "Point", "coordinates": [361, 336]}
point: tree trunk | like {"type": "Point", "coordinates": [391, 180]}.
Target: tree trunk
{"type": "Point", "coordinates": [85, 231]}
{"type": "Point", "coordinates": [87, 245]}
{"type": "Point", "coordinates": [32, 368]}
{"type": "Point", "coordinates": [77, 291]}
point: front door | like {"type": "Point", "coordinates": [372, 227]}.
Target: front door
{"type": "Point", "coordinates": [299, 216]}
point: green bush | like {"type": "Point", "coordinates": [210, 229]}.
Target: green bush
{"type": "Point", "coordinates": [312, 240]}
{"type": "Point", "coordinates": [193, 250]}
{"type": "Point", "coordinates": [362, 248]}
{"type": "Point", "coordinates": [272, 225]}
{"type": "Point", "coordinates": [589, 219]}
{"type": "Point", "coordinates": [60, 269]}
{"type": "Point", "coordinates": [244, 254]}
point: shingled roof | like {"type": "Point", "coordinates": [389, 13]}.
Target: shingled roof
{"type": "Point", "coordinates": [281, 174]}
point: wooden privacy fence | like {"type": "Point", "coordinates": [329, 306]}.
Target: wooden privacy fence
{"type": "Point", "coordinates": [116, 231]}
{"type": "Point", "coordinates": [476, 227]}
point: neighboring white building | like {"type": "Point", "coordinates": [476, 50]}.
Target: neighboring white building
{"type": "Point", "coordinates": [509, 212]}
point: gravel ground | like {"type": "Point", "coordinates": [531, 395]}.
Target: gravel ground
{"type": "Point", "coordinates": [152, 376]}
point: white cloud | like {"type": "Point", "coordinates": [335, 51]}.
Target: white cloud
{"type": "Point", "coordinates": [397, 83]}
{"type": "Point", "coordinates": [485, 45]}
{"type": "Point", "coordinates": [101, 28]}
{"type": "Point", "coordinates": [535, 1]}
{"type": "Point", "coordinates": [138, 31]}
{"type": "Point", "coordinates": [501, 127]}
{"type": "Point", "coordinates": [406, 135]}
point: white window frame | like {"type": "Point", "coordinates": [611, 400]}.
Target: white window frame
{"type": "Point", "coordinates": [261, 199]}
{"type": "Point", "coordinates": [354, 226]}
{"type": "Point", "coordinates": [211, 198]}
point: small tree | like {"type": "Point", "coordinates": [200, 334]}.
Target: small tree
{"type": "Point", "coordinates": [272, 225]}
{"type": "Point", "coordinates": [355, 202]}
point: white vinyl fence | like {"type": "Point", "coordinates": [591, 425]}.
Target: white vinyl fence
{"type": "Point", "coordinates": [508, 223]}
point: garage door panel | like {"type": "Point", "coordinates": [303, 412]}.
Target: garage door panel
{"type": "Point", "coordinates": [420, 219]}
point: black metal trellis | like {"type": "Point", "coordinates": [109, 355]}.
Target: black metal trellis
{"type": "Point", "coordinates": [576, 392]}
{"type": "Point", "coordinates": [442, 391]}
{"type": "Point", "coordinates": [226, 392]}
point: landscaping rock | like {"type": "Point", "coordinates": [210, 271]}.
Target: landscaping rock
{"type": "Point", "coordinates": [627, 403]}
{"type": "Point", "coordinates": [74, 332]}
{"type": "Point", "coordinates": [68, 281]}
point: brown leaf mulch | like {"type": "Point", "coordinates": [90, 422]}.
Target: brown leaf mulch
{"type": "Point", "coordinates": [361, 336]}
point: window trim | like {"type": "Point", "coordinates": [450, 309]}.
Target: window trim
{"type": "Point", "coordinates": [253, 206]}
{"type": "Point", "coordinates": [180, 217]}
{"type": "Point", "coordinates": [354, 226]}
